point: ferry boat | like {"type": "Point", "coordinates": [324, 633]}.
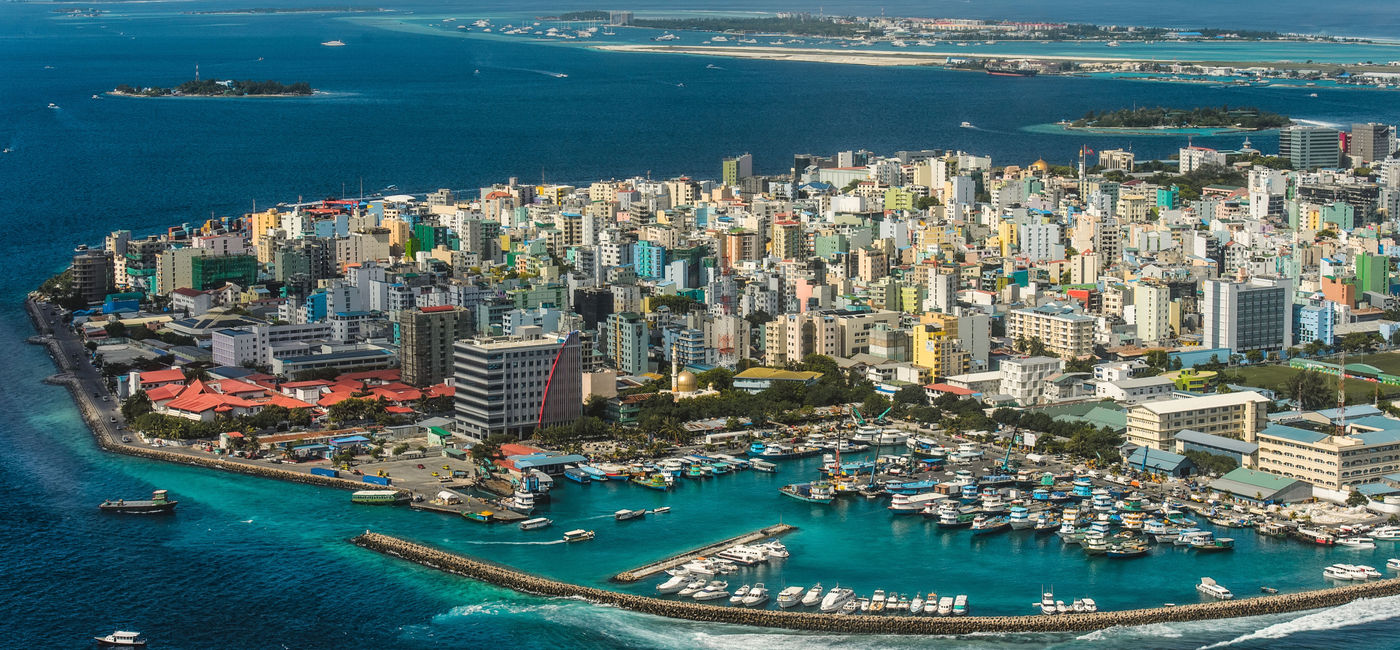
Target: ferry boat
{"type": "Point", "coordinates": [1021, 518]}
{"type": "Point", "coordinates": [578, 535]}
{"type": "Point", "coordinates": [835, 599]}
{"type": "Point", "coordinates": [992, 503]}
{"type": "Point", "coordinates": [816, 492]}
{"type": "Point", "coordinates": [984, 525]}
{"type": "Point", "coordinates": [121, 639]}
{"type": "Point", "coordinates": [379, 497]}
{"type": "Point", "coordinates": [954, 517]}
{"type": "Point", "coordinates": [577, 475]}
{"type": "Point", "coordinates": [912, 504]}
{"type": "Point", "coordinates": [158, 504]}
{"type": "Point", "coordinates": [1343, 572]}
{"type": "Point", "coordinates": [1214, 590]}
{"type": "Point", "coordinates": [537, 522]}
{"type": "Point", "coordinates": [780, 451]}
{"type": "Point", "coordinates": [624, 515]}
{"type": "Point", "coordinates": [764, 466]}
{"type": "Point", "coordinates": [335, 43]}
{"type": "Point", "coordinates": [1272, 529]}
{"type": "Point", "coordinates": [1132, 520]}
{"type": "Point", "coordinates": [1216, 544]}
{"type": "Point", "coordinates": [1315, 536]}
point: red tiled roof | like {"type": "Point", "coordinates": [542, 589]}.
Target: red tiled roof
{"type": "Point", "coordinates": [307, 384]}
{"type": "Point", "coordinates": [237, 387]}
{"type": "Point", "coordinates": [163, 393]}
{"type": "Point", "coordinates": [391, 374]}
{"type": "Point", "coordinates": [398, 410]}
{"type": "Point", "coordinates": [949, 388]}
{"type": "Point", "coordinates": [333, 398]}
{"type": "Point", "coordinates": [162, 376]}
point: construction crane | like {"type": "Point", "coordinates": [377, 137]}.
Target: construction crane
{"type": "Point", "coordinates": [881, 417]}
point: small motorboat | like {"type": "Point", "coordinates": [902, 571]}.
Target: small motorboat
{"type": "Point", "coordinates": [624, 515]}
{"type": "Point", "coordinates": [739, 595]}
{"type": "Point", "coordinates": [121, 639]}
{"type": "Point", "coordinates": [1393, 564]}
{"type": "Point", "coordinates": [814, 595]}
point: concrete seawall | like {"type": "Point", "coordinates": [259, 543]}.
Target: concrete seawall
{"type": "Point", "coordinates": [861, 624]}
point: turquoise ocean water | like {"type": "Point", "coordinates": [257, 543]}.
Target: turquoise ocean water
{"type": "Point", "coordinates": [255, 563]}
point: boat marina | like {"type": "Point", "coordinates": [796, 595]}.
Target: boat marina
{"type": "Point", "coordinates": [646, 571]}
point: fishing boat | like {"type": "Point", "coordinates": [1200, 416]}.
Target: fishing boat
{"type": "Point", "coordinates": [763, 466]}
{"type": "Point", "coordinates": [984, 525]}
{"type": "Point", "coordinates": [917, 604]}
{"type": "Point", "coordinates": [624, 515]}
{"type": "Point", "coordinates": [537, 522]}
{"type": "Point", "coordinates": [121, 639]}
{"type": "Point", "coordinates": [654, 481]}
{"type": "Point", "coordinates": [1021, 518]}
{"type": "Point", "coordinates": [1046, 604]}
{"type": "Point", "coordinates": [1216, 544]}
{"type": "Point", "coordinates": [483, 516]}
{"type": "Point", "coordinates": [694, 471]}
{"type": "Point", "coordinates": [951, 518]}
{"type": "Point", "coordinates": [1045, 524]}
{"type": "Point", "coordinates": [815, 492]}
{"type": "Point", "coordinates": [158, 504]}
{"type": "Point", "coordinates": [379, 497]}
{"type": "Point", "coordinates": [577, 475]}
{"type": "Point", "coordinates": [790, 597]}
{"type": "Point", "coordinates": [835, 599]}
{"type": "Point", "coordinates": [578, 535]}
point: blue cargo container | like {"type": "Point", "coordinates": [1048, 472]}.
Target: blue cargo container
{"type": "Point", "coordinates": [378, 480]}
{"type": "Point", "coordinates": [325, 471]}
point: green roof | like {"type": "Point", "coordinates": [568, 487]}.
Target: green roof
{"type": "Point", "coordinates": [1266, 482]}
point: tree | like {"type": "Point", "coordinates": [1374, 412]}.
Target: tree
{"type": "Point", "coordinates": [1254, 356]}
{"type": "Point", "coordinates": [136, 406]}
{"type": "Point", "coordinates": [1357, 499]}
{"type": "Point", "coordinates": [911, 395]}
{"type": "Point", "coordinates": [1308, 389]}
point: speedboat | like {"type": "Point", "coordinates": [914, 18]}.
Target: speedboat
{"type": "Point", "coordinates": [877, 601]}
{"type": "Point", "coordinates": [757, 595]}
{"type": "Point", "coordinates": [739, 594]}
{"type": "Point", "coordinates": [836, 599]}
{"type": "Point", "coordinates": [1393, 564]}
{"type": "Point", "coordinates": [1090, 606]}
{"type": "Point", "coordinates": [1359, 543]}
{"type": "Point", "coordinates": [121, 639]}
{"type": "Point", "coordinates": [713, 591]}
{"type": "Point", "coordinates": [966, 125]}
{"type": "Point", "coordinates": [916, 605]}
{"type": "Point", "coordinates": [1213, 589]}
{"type": "Point", "coordinates": [813, 596]}
{"type": "Point", "coordinates": [790, 597]}
{"type": "Point", "coordinates": [694, 587]}
{"type": "Point", "coordinates": [775, 548]}
{"type": "Point", "coordinates": [851, 607]}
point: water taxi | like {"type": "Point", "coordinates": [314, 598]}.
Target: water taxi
{"type": "Point", "coordinates": [763, 466]}
{"type": "Point", "coordinates": [537, 522]}
{"type": "Point", "coordinates": [624, 515]}
{"type": "Point", "coordinates": [484, 516]}
{"type": "Point", "coordinates": [1215, 544]}
{"type": "Point", "coordinates": [1213, 589]}
{"type": "Point", "coordinates": [816, 492]}
{"type": "Point", "coordinates": [578, 535]}
{"type": "Point", "coordinates": [158, 504]}
{"type": "Point", "coordinates": [121, 639]}
{"type": "Point", "coordinates": [960, 605]}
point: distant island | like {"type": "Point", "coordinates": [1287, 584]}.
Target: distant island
{"type": "Point", "coordinates": [288, 10]}
{"type": "Point", "coordinates": [579, 15]}
{"type": "Point", "coordinates": [828, 27]}
{"type": "Point", "coordinates": [1210, 117]}
{"type": "Point", "coordinates": [213, 88]}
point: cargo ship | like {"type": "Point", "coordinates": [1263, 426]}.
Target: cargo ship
{"type": "Point", "coordinates": [999, 71]}
{"type": "Point", "coordinates": [158, 504]}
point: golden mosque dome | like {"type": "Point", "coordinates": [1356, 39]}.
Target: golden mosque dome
{"type": "Point", "coordinates": [685, 382]}
{"type": "Point", "coordinates": [1040, 165]}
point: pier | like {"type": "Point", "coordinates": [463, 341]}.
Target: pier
{"type": "Point", "coordinates": [504, 576]}
{"type": "Point", "coordinates": [641, 573]}
{"type": "Point", "coordinates": [469, 504]}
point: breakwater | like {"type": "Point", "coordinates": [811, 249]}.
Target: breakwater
{"type": "Point", "coordinates": [681, 558]}
{"type": "Point", "coordinates": [504, 576]}
{"type": "Point", "coordinates": [106, 436]}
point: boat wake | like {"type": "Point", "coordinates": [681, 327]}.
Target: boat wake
{"type": "Point", "coordinates": [1358, 612]}
{"type": "Point", "coordinates": [557, 541]}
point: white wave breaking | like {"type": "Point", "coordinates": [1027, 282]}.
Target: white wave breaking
{"type": "Point", "coordinates": [1358, 612]}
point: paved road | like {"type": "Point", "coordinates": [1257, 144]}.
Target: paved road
{"type": "Point", "coordinates": [74, 360]}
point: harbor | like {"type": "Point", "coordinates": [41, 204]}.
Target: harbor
{"type": "Point", "coordinates": [646, 571]}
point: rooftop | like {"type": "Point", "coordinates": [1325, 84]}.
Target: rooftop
{"type": "Point", "coordinates": [1202, 402]}
{"type": "Point", "coordinates": [773, 374]}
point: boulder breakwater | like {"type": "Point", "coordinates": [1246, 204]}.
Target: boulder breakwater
{"type": "Point", "coordinates": [864, 624]}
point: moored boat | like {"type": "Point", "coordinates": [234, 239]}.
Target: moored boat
{"type": "Point", "coordinates": [816, 492]}
{"type": "Point", "coordinates": [763, 465]}
{"type": "Point", "coordinates": [790, 597]}
{"type": "Point", "coordinates": [577, 475]}
{"type": "Point", "coordinates": [836, 599]}
{"type": "Point", "coordinates": [159, 503]}
{"type": "Point", "coordinates": [379, 497]}
{"type": "Point", "coordinates": [813, 596]}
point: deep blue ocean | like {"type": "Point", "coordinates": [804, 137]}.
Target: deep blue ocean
{"type": "Point", "coordinates": [254, 563]}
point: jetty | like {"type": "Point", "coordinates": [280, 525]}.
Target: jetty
{"type": "Point", "coordinates": [469, 504]}
{"type": "Point", "coordinates": [643, 572]}
{"type": "Point", "coordinates": [521, 581]}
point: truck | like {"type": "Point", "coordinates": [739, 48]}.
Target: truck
{"type": "Point", "coordinates": [326, 471]}
{"type": "Point", "coordinates": [378, 480]}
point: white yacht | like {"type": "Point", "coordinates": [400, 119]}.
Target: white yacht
{"type": "Point", "coordinates": [1213, 589]}
{"type": "Point", "coordinates": [790, 597]}
{"type": "Point", "coordinates": [835, 599]}
{"type": "Point", "coordinates": [916, 605]}
{"type": "Point", "coordinates": [675, 584]}
{"type": "Point", "coordinates": [1393, 564]}
{"type": "Point", "coordinates": [1090, 606]}
{"type": "Point", "coordinates": [713, 591]}
{"type": "Point", "coordinates": [877, 601]}
{"type": "Point", "coordinates": [1359, 543]}
{"type": "Point", "coordinates": [1047, 604]}
{"type": "Point", "coordinates": [692, 588]}
{"type": "Point", "coordinates": [1386, 534]}
{"type": "Point", "coordinates": [739, 594]}
{"type": "Point", "coordinates": [758, 594]}
{"type": "Point", "coordinates": [813, 596]}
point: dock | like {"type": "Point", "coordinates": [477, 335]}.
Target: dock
{"type": "Point", "coordinates": [469, 504]}
{"type": "Point", "coordinates": [644, 572]}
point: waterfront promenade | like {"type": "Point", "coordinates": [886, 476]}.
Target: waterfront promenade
{"type": "Point", "coordinates": [862, 624]}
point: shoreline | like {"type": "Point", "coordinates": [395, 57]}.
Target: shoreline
{"type": "Point", "coordinates": [107, 440]}
{"type": "Point", "coordinates": [521, 581]}
{"type": "Point", "coordinates": [113, 93]}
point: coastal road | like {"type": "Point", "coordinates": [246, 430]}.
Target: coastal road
{"type": "Point", "coordinates": [73, 359]}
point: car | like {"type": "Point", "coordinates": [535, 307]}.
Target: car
{"type": "Point", "coordinates": [113, 419]}
{"type": "Point", "coordinates": [104, 398]}
{"type": "Point", "coordinates": [126, 438]}
{"type": "Point", "coordinates": [420, 466]}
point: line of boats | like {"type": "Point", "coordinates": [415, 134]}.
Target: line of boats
{"type": "Point", "coordinates": [1051, 607]}
{"type": "Point", "coordinates": [838, 600]}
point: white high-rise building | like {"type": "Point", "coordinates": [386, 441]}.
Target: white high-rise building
{"type": "Point", "coordinates": [1252, 315]}
{"type": "Point", "coordinates": [1152, 304]}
